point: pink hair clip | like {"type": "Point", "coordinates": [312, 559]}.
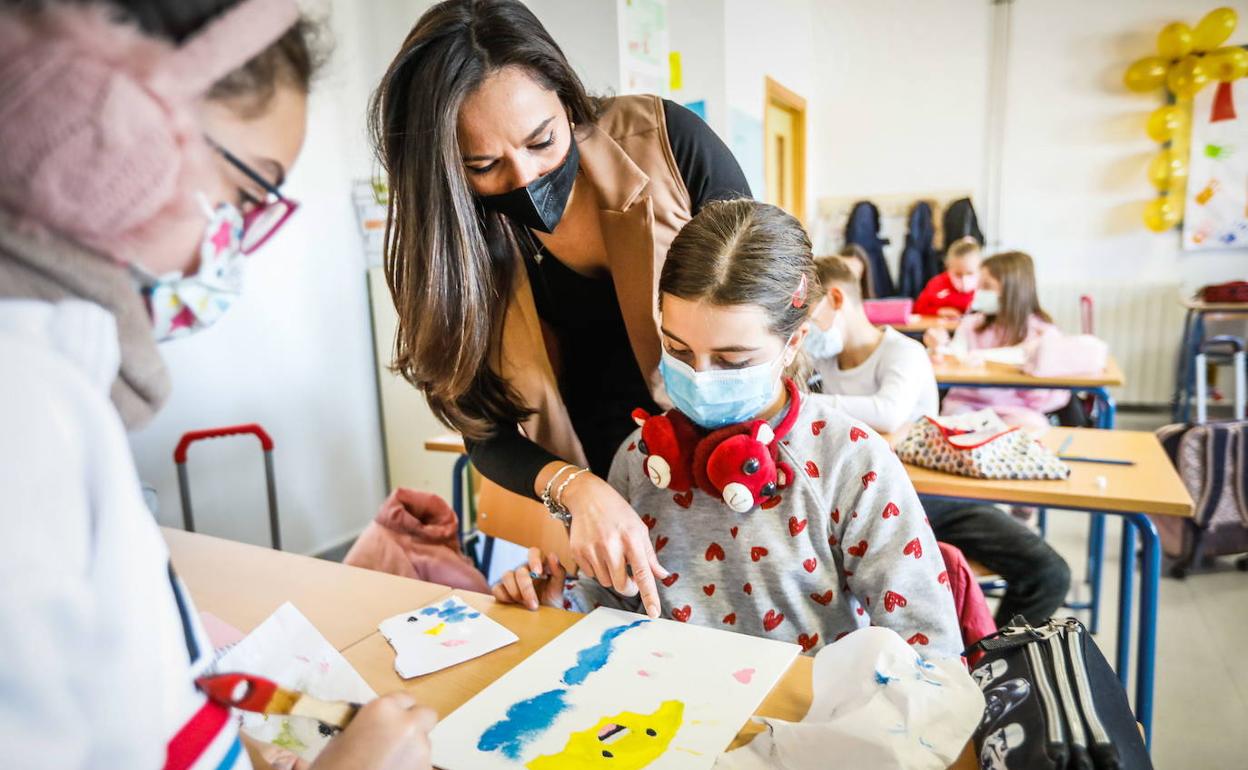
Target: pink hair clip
{"type": "Point", "coordinates": [799, 296]}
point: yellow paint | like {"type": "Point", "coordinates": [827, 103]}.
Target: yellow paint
{"type": "Point", "coordinates": [632, 751]}
{"type": "Point", "coordinates": [1204, 195]}
{"type": "Point", "coordinates": [436, 630]}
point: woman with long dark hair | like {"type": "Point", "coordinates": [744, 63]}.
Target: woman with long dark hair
{"type": "Point", "coordinates": [143, 145]}
{"type": "Point", "coordinates": [528, 225]}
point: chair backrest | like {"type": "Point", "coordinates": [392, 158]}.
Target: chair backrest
{"type": "Point", "coordinates": [521, 520]}
{"type": "Point", "coordinates": [1086, 320]}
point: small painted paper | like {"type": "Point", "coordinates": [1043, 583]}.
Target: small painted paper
{"type": "Point", "coordinates": [288, 649]}
{"type": "Point", "coordinates": [441, 635]}
{"type": "Point", "coordinates": [616, 690]}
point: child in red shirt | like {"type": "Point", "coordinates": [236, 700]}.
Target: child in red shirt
{"type": "Point", "coordinates": [950, 293]}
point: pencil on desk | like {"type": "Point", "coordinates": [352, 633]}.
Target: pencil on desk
{"type": "Point", "coordinates": [1066, 444]}
{"type": "Point", "coordinates": [1100, 460]}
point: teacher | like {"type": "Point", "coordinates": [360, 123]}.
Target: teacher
{"type": "Point", "coordinates": [528, 223]}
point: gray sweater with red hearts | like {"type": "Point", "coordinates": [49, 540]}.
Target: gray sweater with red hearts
{"type": "Point", "coordinates": [845, 546]}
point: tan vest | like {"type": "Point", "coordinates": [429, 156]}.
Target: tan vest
{"type": "Point", "coordinates": [642, 204]}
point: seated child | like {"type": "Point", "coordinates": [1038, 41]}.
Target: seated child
{"type": "Point", "coordinates": [838, 540]}
{"type": "Point", "coordinates": [881, 377]}
{"type": "Point", "coordinates": [950, 293]}
{"type": "Point", "coordinates": [1006, 312]}
{"type": "Point", "coordinates": [891, 388]}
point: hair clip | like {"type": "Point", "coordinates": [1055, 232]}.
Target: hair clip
{"type": "Point", "coordinates": [799, 296]}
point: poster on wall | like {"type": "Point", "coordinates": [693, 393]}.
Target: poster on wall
{"type": "Point", "coordinates": [1216, 212]}
{"type": "Point", "coordinates": [645, 66]}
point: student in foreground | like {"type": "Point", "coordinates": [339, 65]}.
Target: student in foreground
{"type": "Point", "coordinates": [839, 540]}
{"type": "Point", "coordinates": [885, 379]}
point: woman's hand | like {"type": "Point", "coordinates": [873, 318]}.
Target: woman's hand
{"type": "Point", "coordinates": [538, 582]}
{"type": "Point", "coordinates": [389, 733]}
{"type": "Point", "coordinates": [609, 539]}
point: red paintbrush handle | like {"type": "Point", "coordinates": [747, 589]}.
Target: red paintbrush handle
{"type": "Point", "coordinates": [240, 691]}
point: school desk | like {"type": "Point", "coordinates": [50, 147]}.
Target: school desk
{"type": "Point", "coordinates": [1189, 346]}
{"type": "Point", "coordinates": [918, 324]}
{"type": "Point", "coordinates": [1150, 486]}
{"type": "Point", "coordinates": [259, 577]}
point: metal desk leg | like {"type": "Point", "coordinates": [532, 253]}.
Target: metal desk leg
{"type": "Point", "coordinates": [457, 496]}
{"type": "Point", "coordinates": [1106, 414]}
{"type": "Point", "coordinates": [1126, 596]}
{"type": "Point", "coordinates": [1150, 580]}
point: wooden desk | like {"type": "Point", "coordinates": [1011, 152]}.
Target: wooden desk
{"type": "Point", "coordinates": [446, 442]}
{"type": "Point", "coordinates": [1150, 486]}
{"type": "Point", "coordinates": [243, 584]}
{"type": "Point", "coordinates": [990, 375]}
{"type": "Point", "coordinates": [258, 580]}
{"type": "Point", "coordinates": [918, 324]}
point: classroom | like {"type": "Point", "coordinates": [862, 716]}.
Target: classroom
{"type": "Point", "coordinates": [728, 384]}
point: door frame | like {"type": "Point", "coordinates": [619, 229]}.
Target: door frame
{"type": "Point", "coordinates": [775, 93]}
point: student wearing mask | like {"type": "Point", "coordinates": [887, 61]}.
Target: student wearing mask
{"type": "Point", "coordinates": [950, 293]}
{"type": "Point", "coordinates": [145, 144]}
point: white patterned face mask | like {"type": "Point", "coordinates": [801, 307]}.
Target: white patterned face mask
{"type": "Point", "coordinates": [184, 304]}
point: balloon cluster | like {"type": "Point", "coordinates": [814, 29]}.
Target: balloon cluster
{"type": "Point", "coordinates": [1189, 59]}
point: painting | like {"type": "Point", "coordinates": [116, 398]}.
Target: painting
{"type": "Point", "coordinates": [288, 649]}
{"type": "Point", "coordinates": [440, 635]}
{"type": "Point", "coordinates": [1216, 211]}
{"type": "Point", "coordinates": [618, 691]}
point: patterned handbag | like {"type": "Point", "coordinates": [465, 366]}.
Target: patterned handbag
{"type": "Point", "coordinates": [979, 445]}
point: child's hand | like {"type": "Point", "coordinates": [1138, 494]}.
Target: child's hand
{"type": "Point", "coordinates": [538, 582]}
{"type": "Point", "coordinates": [948, 313]}
{"type": "Point", "coordinates": [935, 338]}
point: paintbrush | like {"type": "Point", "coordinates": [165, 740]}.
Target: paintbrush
{"type": "Point", "coordinates": [263, 696]}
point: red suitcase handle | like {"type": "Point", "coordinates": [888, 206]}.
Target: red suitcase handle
{"type": "Point", "coordinates": [179, 454]}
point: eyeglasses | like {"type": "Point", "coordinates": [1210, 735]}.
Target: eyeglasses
{"type": "Point", "coordinates": [267, 217]}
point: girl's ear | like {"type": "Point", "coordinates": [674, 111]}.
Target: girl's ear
{"type": "Point", "coordinates": [795, 343]}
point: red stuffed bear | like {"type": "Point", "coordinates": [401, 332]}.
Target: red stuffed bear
{"type": "Point", "coordinates": [739, 464]}
{"type": "Point", "coordinates": [668, 441]}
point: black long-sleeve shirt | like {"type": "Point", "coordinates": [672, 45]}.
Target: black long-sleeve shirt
{"type": "Point", "coordinates": [601, 383]}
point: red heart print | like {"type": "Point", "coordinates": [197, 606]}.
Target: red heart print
{"type": "Point", "coordinates": [841, 636]}
{"type": "Point", "coordinates": [708, 590]}
{"type": "Point", "coordinates": [812, 470]}
{"type": "Point", "coordinates": [807, 641]}
{"type": "Point", "coordinates": [848, 572]}
{"type": "Point", "coordinates": [684, 499]}
{"type": "Point", "coordinates": [734, 532]}
{"type": "Point", "coordinates": [859, 550]}
{"type": "Point", "coordinates": [731, 618]}
{"type": "Point", "coordinates": [771, 503]}
{"type": "Point", "coordinates": [649, 521]}
{"type": "Point", "coordinates": [682, 613]}
{"type": "Point", "coordinates": [866, 600]}
{"type": "Point", "coordinates": [772, 619]}
{"type": "Point", "coordinates": [891, 510]}
{"type": "Point", "coordinates": [671, 578]}
{"type": "Point", "coordinates": [867, 478]}
{"type": "Point", "coordinates": [853, 515]}
{"type": "Point", "coordinates": [856, 433]}
{"type": "Point", "coordinates": [824, 598]}
{"type": "Point", "coordinates": [757, 552]}
{"type": "Point", "coordinates": [749, 589]}
{"type": "Point", "coordinates": [659, 543]}
{"type": "Point", "coordinates": [893, 600]}
{"type": "Point", "coordinates": [832, 541]}
{"type": "Point", "coordinates": [809, 565]}
{"type": "Point", "coordinates": [817, 426]}
{"type": "Point", "coordinates": [861, 611]}
{"type": "Point", "coordinates": [913, 547]}
{"type": "Point", "coordinates": [714, 551]}
{"type": "Point", "coordinates": [836, 515]}
{"type": "Point", "coordinates": [943, 578]}
{"type": "Point", "coordinates": [632, 446]}
{"type": "Point", "coordinates": [917, 639]}
{"type": "Point", "coordinates": [795, 526]}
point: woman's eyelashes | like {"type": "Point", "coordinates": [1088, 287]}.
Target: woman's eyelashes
{"type": "Point", "coordinates": [545, 144]}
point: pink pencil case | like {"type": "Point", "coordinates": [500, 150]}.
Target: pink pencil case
{"type": "Point", "coordinates": [888, 311]}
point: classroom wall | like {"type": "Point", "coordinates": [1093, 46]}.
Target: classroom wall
{"type": "Point", "coordinates": [697, 33]}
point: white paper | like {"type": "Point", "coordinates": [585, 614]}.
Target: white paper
{"type": "Point", "coordinates": [288, 649]}
{"type": "Point", "coordinates": [878, 704]}
{"type": "Point", "coordinates": [440, 635]}
{"type": "Point", "coordinates": [657, 694]}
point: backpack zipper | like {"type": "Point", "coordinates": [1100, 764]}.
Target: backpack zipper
{"type": "Point", "coordinates": [1048, 700]}
{"type": "Point", "coordinates": [1079, 755]}
{"type": "Point", "coordinates": [1083, 684]}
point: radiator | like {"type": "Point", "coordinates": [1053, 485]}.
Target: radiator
{"type": "Point", "coordinates": [1142, 322]}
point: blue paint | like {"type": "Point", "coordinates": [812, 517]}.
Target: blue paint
{"type": "Point", "coordinates": [882, 678]}
{"type": "Point", "coordinates": [525, 720]}
{"type": "Point", "coordinates": [926, 745]}
{"type": "Point", "coordinates": [451, 612]}
{"type": "Point", "coordinates": [593, 658]}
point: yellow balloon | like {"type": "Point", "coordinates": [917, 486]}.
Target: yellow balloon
{"type": "Point", "coordinates": [1227, 64]}
{"type": "Point", "coordinates": [1175, 41]}
{"type": "Point", "coordinates": [1165, 122]}
{"type": "Point", "coordinates": [1187, 77]}
{"type": "Point", "coordinates": [1167, 170]}
{"type": "Point", "coordinates": [1214, 29]}
{"type": "Point", "coordinates": [1146, 74]}
{"type": "Point", "coordinates": [1161, 214]}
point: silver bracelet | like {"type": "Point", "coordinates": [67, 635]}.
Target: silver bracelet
{"type": "Point", "coordinates": [556, 509]}
{"type": "Point", "coordinates": [564, 485]}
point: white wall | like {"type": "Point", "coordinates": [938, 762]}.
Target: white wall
{"type": "Point", "coordinates": [697, 32]}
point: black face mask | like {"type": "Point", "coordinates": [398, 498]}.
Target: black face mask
{"type": "Point", "coordinates": [539, 204]}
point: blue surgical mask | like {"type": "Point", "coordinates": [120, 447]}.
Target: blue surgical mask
{"type": "Point", "coordinates": [986, 301]}
{"type": "Point", "coordinates": [720, 397]}
{"type": "Point", "coordinates": [822, 344]}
